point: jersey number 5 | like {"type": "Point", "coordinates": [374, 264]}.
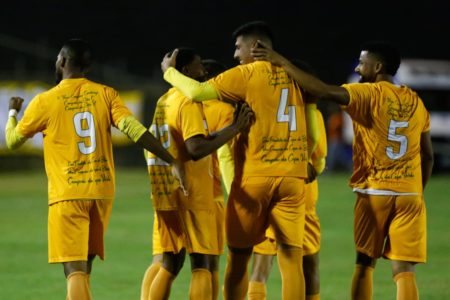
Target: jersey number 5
{"type": "Point", "coordinates": [394, 137]}
{"type": "Point", "coordinates": [85, 128]}
{"type": "Point", "coordinates": [290, 116]}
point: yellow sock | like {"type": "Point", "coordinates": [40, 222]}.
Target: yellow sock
{"type": "Point", "coordinates": [256, 290]}
{"type": "Point", "coordinates": [362, 283]}
{"type": "Point", "coordinates": [215, 284]}
{"type": "Point", "coordinates": [77, 286]}
{"type": "Point", "coordinates": [160, 288]}
{"type": "Point", "coordinates": [149, 276]}
{"type": "Point", "coordinates": [201, 285]}
{"type": "Point", "coordinates": [313, 297]}
{"type": "Point", "coordinates": [290, 262]}
{"type": "Point", "coordinates": [406, 286]}
{"type": "Point", "coordinates": [236, 276]}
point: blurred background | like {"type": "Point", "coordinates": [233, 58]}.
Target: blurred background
{"type": "Point", "coordinates": [130, 38]}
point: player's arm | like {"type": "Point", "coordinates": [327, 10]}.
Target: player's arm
{"type": "Point", "coordinates": [200, 146]}
{"type": "Point", "coordinates": [193, 89]}
{"type": "Point", "coordinates": [13, 138]}
{"type": "Point", "coordinates": [312, 128]}
{"type": "Point", "coordinates": [226, 164]}
{"type": "Point", "coordinates": [142, 137]}
{"type": "Point", "coordinates": [427, 157]}
{"type": "Point", "coordinates": [311, 84]}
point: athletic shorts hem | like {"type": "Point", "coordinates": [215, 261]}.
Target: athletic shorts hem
{"type": "Point", "coordinates": [312, 252]}
{"type": "Point", "coordinates": [405, 258]}
{"type": "Point", "coordinates": [67, 259]}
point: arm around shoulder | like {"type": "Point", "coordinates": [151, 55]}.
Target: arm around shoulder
{"type": "Point", "coordinates": [193, 89]}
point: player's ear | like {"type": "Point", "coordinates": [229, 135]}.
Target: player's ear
{"type": "Point", "coordinates": [379, 67]}
{"type": "Point", "coordinates": [63, 62]}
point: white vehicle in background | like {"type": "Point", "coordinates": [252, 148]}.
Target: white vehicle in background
{"type": "Point", "coordinates": [431, 80]}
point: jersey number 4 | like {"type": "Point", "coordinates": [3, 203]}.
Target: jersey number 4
{"type": "Point", "coordinates": [290, 116]}
{"type": "Point", "coordinates": [394, 137]}
{"type": "Point", "coordinates": [85, 128]}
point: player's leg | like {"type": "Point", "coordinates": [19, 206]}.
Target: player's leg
{"type": "Point", "coordinates": [311, 243]}
{"type": "Point", "coordinates": [287, 218]}
{"type": "Point", "coordinates": [406, 243]}
{"type": "Point", "coordinates": [214, 262]}
{"type": "Point", "coordinates": [170, 230]}
{"type": "Point", "coordinates": [362, 280]}
{"type": "Point", "coordinates": [150, 275]}
{"type": "Point", "coordinates": [77, 256]}
{"type": "Point", "coordinates": [214, 269]}
{"type": "Point", "coordinates": [245, 224]}
{"type": "Point", "coordinates": [263, 255]}
{"type": "Point", "coordinates": [153, 269]}
{"type": "Point", "coordinates": [405, 279]}
{"type": "Point", "coordinates": [312, 278]}
{"type": "Point", "coordinates": [201, 280]}
{"type": "Point", "coordinates": [203, 243]}
{"type": "Point", "coordinates": [372, 215]}
{"type": "Point", "coordinates": [236, 275]}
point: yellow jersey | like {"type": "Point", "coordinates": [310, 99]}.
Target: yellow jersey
{"type": "Point", "coordinates": [388, 121]}
{"type": "Point", "coordinates": [176, 119]}
{"type": "Point", "coordinates": [75, 118]}
{"type": "Point", "coordinates": [218, 115]}
{"type": "Point", "coordinates": [276, 144]}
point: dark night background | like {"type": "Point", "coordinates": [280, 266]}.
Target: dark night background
{"type": "Point", "coordinates": [132, 36]}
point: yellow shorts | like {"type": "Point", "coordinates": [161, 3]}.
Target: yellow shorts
{"type": "Point", "coordinates": [76, 229]}
{"type": "Point", "coordinates": [156, 239]}
{"type": "Point", "coordinates": [257, 202]}
{"type": "Point", "coordinates": [311, 240]}
{"type": "Point", "coordinates": [220, 225]}
{"type": "Point", "coordinates": [391, 226]}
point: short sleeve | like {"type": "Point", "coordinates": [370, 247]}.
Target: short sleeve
{"type": "Point", "coordinates": [35, 118]}
{"type": "Point", "coordinates": [191, 120]}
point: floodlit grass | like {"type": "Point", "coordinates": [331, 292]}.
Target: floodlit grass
{"type": "Point", "coordinates": [25, 273]}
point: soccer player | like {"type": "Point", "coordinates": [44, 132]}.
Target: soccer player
{"type": "Point", "coordinates": [264, 253]}
{"type": "Point", "coordinates": [270, 162]}
{"type": "Point", "coordinates": [188, 224]}
{"type": "Point", "coordinates": [392, 162]}
{"type": "Point", "coordinates": [75, 118]}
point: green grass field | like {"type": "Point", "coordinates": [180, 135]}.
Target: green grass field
{"type": "Point", "coordinates": [25, 273]}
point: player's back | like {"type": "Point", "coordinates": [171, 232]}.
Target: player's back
{"type": "Point", "coordinates": [388, 127]}
{"type": "Point", "coordinates": [75, 118]}
{"type": "Point", "coordinates": [176, 119]}
{"type": "Point", "coordinates": [277, 144]}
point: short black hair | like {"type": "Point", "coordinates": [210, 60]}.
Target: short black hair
{"type": "Point", "coordinates": [386, 53]}
{"type": "Point", "coordinates": [79, 53]}
{"type": "Point", "coordinates": [213, 67]}
{"type": "Point", "coordinates": [257, 28]}
{"type": "Point", "coordinates": [185, 56]}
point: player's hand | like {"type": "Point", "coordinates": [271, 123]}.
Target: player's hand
{"type": "Point", "coordinates": [15, 103]}
{"type": "Point", "coordinates": [169, 60]}
{"type": "Point", "coordinates": [262, 51]}
{"type": "Point", "coordinates": [243, 116]}
{"type": "Point", "coordinates": [179, 173]}
{"type": "Point", "coordinates": [312, 173]}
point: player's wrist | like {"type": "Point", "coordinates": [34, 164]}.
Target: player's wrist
{"type": "Point", "coordinates": [12, 113]}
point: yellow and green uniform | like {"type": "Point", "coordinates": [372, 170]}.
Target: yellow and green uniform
{"type": "Point", "coordinates": [75, 118]}
{"type": "Point", "coordinates": [388, 121]}
{"type": "Point", "coordinates": [176, 119]}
